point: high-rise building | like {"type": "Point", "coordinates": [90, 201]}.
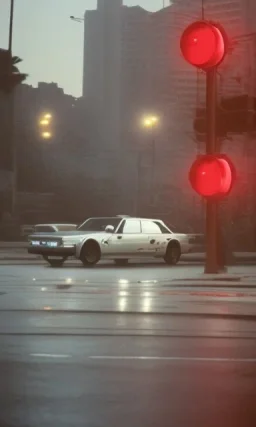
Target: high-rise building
{"type": "Point", "coordinates": [115, 72]}
{"type": "Point", "coordinates": [102, 62]}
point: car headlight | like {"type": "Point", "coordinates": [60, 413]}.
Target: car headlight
{"type": "Point", "coordinates": [70, 242]}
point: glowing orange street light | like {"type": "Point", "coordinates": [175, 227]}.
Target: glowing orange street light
{"type": "Point", "coordinates": [48, 116]}
{"type": "Point", "coordinates": [150, 121]}
{"type": "Point", "coordinates": [44, 122]}
{"type": "Point", "coordinates": [46, 135]}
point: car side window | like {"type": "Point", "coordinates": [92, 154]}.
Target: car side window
{"type": "Point", "coordinates": [131, 226]}
{"type": "Point", "coordinates": [164, 230]}
{"type": "Point", "coordinates": [150, 227]}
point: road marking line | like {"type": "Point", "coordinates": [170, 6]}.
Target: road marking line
{"type": "Point", "coordinates": [63, 356]}
{"type": "Point", "coordinates": [185, 359]}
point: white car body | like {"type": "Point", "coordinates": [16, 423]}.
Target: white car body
{"type": "Point", "coordinates": [130, 238]}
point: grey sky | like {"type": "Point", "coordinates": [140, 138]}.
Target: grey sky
{"type": "Point", "coordinates": [49, 43]}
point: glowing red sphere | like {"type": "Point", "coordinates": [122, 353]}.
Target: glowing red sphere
{"type": "Point", "coordinates": [212, 175]}
{"type": "Point", "coordinates": [203, 44]}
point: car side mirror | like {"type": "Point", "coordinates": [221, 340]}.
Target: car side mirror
{"type": "Point", "coordinates": [109, 229]}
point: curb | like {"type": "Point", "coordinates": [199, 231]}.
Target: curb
{"type": "Point", "coordinates": [230, 285]}
{"type": "Point", "coordinates": [135, 312]}
{"type": "Point", "coordinates": [218, 278]}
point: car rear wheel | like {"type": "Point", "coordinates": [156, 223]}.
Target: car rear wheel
{"type": "Point", "coordinates": [90, 254]}
{"type": "Point", "coordinates": [55, 262]}
{"type": "Point", "coordinates": [121, 262]}
{"type": "Point", "coordinates": [173, 253]}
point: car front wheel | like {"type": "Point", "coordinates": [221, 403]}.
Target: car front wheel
{"type": "Point", "coordinates": [90, 254]}
{"type": "Point", "coordinates": [173, 253]}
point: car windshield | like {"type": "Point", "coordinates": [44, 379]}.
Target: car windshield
{"type": "Point", "coordinates": [44, 228]}
{"type": "Point", "coordinates": [66, 227]}
{"type": "Point", "coordinates": [98, 224]}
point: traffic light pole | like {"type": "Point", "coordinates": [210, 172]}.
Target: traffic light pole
{"type": "Point", "coordinates": [211, 265]}
{"type": "Point", "coordinates": [11, 118]}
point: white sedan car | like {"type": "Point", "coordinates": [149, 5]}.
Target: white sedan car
{"type": "Point", "coordinates": [115, 238]}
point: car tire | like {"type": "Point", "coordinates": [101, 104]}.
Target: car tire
{"type": "Point", "coordinates": [90, 253]}
{"type": "Point", "coordinates": [173, 253]}
{"type": "Point", "coordinates": [55, 263]}
{"type": "Point", "coordinates": [121, 262]}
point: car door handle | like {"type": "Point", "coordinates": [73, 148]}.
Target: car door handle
{"type": "Point", "coordinates": [152, 241]}
{"type": "Point", "coordinates": [119, 237]}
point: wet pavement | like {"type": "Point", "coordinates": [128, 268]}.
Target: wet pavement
{"type": "Point", "coordinates": [136, 346]}
{"type": "Point", "coordinates": [126, 381]}
{"type": "Point", "coordinates": [139, 288]}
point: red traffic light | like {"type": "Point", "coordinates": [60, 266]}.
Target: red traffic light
{"type": "Point", "coordinates": [203, 44]}
{"type": "Point", "coordinates": [212, 175]}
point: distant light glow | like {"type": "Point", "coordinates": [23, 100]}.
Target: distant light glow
{"type": "Point", "coordinates": [150, 121]}
{"type": "Point", "coordinates": [46, 135]}
{"type": "Point", "coordinates": [44, 122]}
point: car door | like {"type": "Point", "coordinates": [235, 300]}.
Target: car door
{"type": "Point", "coordinates": [156, 242]}
{"type": "Point", "coordinates": [128, 241]}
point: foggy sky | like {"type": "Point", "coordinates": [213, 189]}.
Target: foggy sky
{"type": "Point", "coordinates": [50, 44]}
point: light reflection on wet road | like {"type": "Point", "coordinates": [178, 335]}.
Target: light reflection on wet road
{"type": "Point", "coordinates": [110, 289]}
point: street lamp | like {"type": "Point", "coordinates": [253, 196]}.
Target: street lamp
{"type": "Point", "coordinates": [44, 122]}
{"type": "Point", "coordinates": [151, 122]}
{"type": "Point", "coordinates": [76, 19]}
{"type": "Point", "coordinates": [154, 120]}
{"type": "Point", "coordinates": [12, 140]}
{"type": "Point", "coordinates": [46, 135]}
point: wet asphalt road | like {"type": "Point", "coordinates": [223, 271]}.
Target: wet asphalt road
{"type": "Point", "coordinates": [123, 347]}
{"type": "Point", "coordinates": [113, 381]}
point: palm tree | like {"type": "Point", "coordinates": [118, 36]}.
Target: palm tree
{"type": "Point", "coordinates": [17, 77]}
{"type": "Point", "coordinates": [10, 75]}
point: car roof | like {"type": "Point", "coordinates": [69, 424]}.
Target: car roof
{"type": "Point", "coordinates": [125, 217]}
{"type": "Point", "coordinates": [120, 217]}
{"type": "Point", "coordinates": [143, 219]}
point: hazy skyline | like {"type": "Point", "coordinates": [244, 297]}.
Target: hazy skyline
{"type": "Point", "coordinates": [50, 44]}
